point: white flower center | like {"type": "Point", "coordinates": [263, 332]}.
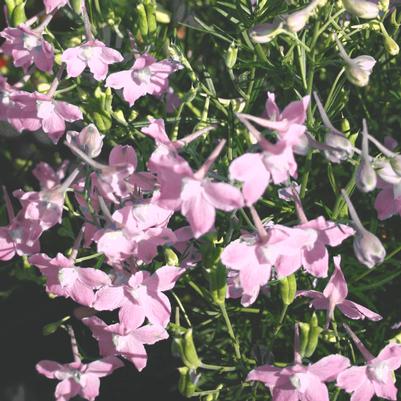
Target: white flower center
{"type": "Point", "coordinates": [143, 75]}
{"type": "Point", "coordinates": [136, 291]}
{"type": "Point", "coordinates": [295, 380]}
{"type": "Point", "coordinates": [30, 41]}
{"type": "Point", "coordinates": [379, 371]}
{"type": "Point", "coordinates": [86, 53]}
{"type": "Point", "coordinates": [5, 99]}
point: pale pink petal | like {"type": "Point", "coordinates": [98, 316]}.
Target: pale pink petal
{"type": "Point", "coordinates": [91, 388]}
{"type": "Point", "coordinates": [164, 278]}
{"type": "Point", "coordinates": [123, 154]}
{"type": "Point", "coordinates": [316, 260]}
{"type": "Point", "coordinates": [109, 298]}
{"type": "Point", "coordinates": [356, 311]}
{"type": "Point", "coordinates": [48, 368]}
{"type": "Point", "coordinates": [223, 196]}
{"type": "Point", "coordinates": [391, 354]}
{"type": "Point", "coordinates": [336, 289]}
{"type": "Point", "coordinates": [353, 378]}
{"type": "Point", "coordinates": [150, 334]}
{"type": "Point", "coordinates": [105, 366]}
{"type": "Point", "coordinates": [329, 367]}
{"type": "Point", "coordinates": [132, 315]}
{"type": "Point", "coordinates": [266, 374]}
{"type": "Point", "coordinates": [67, 389]}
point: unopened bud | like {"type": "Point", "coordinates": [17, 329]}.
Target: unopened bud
{"type": "Point", "coordinates": [384, 5]}
{"type": "Point", "coordinates": [288, 289]}
{"type": "Point", "coordinates": [231, 55]}
{"type": "Point", "coordinates": [171, 257]}
{"type": "Point", "coordinates": [91, 141]}
{"type": "Point", "coordinates": [162, 15]}
{"type": "Point", "coordinates": [368, 249]}
{"type": "Point", "coordinates": [361, 8]}
{"type": "Point", "coordinates": [391, 46]}
{"type": "Point", "coordinates": [264, 33]}
{"type": "Point", "coordinates": [342, 148]}
{"type": "Point", "coordinates": [18, 15]}
{"type": "Point", "coordinates": [187, 382]}
{"type": "Point", "coordinates": [297, 21]}
{"type": "Point", "coordinates": [190, 355]}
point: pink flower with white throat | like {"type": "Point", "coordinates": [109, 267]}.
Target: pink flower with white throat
{"type": "Point", "coordinates": [146, 77]}
{"type": "Point", "coordinates": [298, 382]}
{"type": "Point", "coordinates": [27, 47]}
{"type": "Point", "coordinates": [334, 296]}
{"type": "Point", "coordinates": [376, 377]}
{"type": "Point", "coordinates": [93, 54]}
{"type": "Point", "coordinates": [77, 378]}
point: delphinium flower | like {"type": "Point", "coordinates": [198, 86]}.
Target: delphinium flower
{"type": "Point", "coordinates": [140, 295]}
{"type": "Point", "coordinates": [358, 69]}
{"type": "Point", "coordinates": [146, 77]}
{"type": "Point", "coordinates": [376, 377]}
{"type": "Point", "coordinates": [298, 381]}
{"type": "Point", "coordinates": [78, 378]}
{"type": "Point", "coordinates": [275, 162]}
{"type": "Point", "coordinates": [250, 258]}
{"type": "Point", "coordinates": [128, 342]}
{"type": "Point", "coordinates": [334, 296]}
{"type": "Point", "coordinates": [89, 140]}
{"type": "Point", "coordinates": [26, 45]}
{"type": "Point", "coordinates": [196, 195]}
{"type": "Point", "coordinates": [367, 247]}
{"type": "Point", "coordinates": [70, 281]}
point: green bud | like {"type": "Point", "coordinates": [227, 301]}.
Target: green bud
{"type": "Point", "coordinates": [314, 334]}
{"type": "Point", "coordinates": [231, 55]}
{"type": "Point", "coordinates": [108, 100]}
{"type": "Point", "coordinates": [142, 20]}
{"type": "Point", "coordinates": [118, 115]}
{"type": "Point", "coordinates": [186, 385]}
{"type": "Point", "coordinates": [329, 336]}
{"type": "Point", "coordinates": [218, 283]}
{"type": "Point", "coordinates": [171, 257]}
{"type": "Point", "coordinates": [288, 289]}
{"type": "Point", "coordinates": [162, 15]}
{"type": "Point", "coordinates": [77, 6]}
{"type": "Point", "coordinates": [51, 328]}
{"type": "Point", "coordinates": [102, 121]}
{"type": "Point", "coordinates": [345, 125]}
{"type": "Point", "coordinates": [133, 116]}
{"type": "Point", "coordinates": [304, 329]}
{"type": "Point", "coordinates": [384, 5]}
{"type": "Point", "coordinates": [18, 15]}
{"type": "Point", "coordinates": [391, 46]}
{"type": "Point", "coordinates": [191, 358]}
{"type": "Point", "coordinates": [10, 4]}
{"type": "Point", "coordinates": [150, 8]}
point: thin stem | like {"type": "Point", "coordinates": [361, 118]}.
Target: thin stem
{"type": "Point", "coordinates": [230, 331]}
{"type": "Point", "coordinates": [281, 320]}
{"type": "Point", "coordinates": [77, 244]}
{"type": "Point", "coordinates": [56, 81]}
{"type": "Point", "coordinates": [74, 345]}
{"type": "Point", "coordinates": [84, 258]}
{"type": "Point", "coordinates": [362, 349]}
{"type": "Point", "coordinates": [354, 216]}
{"type": "Point", "coordinates": [87, 24]}
{"type": "Point", "coordinates": [262, 233]}
{"type": "Point", "coordinates": [216, 367]}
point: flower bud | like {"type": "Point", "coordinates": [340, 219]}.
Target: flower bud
{"type": "Point", "coordinates": [391, 46]}
{"type": "Point", "coordinates": [368, 249]}
{"type": "Point", "coordinates": [187, 382]}
{"type": "Point", "coordinates": [142, 20]}
{"type": "Point", "coordinates": [288, 289]}
{"type": "Point", "coordinates": [313, 338]}
{"type": "Point", "coordinates": [231, 55]}
{"type": "Point", "coordinates": [366, 179]}
{"type": "Point", "coordinates": [77, 6]}
{"type": "Point", "coordinates": [384, 5]}
{"type": "Point", "coordinates": [362, 8]}
{"type": "Point", "coordinates": [162, 15]}
{"type": "Point", "coordinates": [264, 33]}
{"type": "Point", "coordinates": [18, 15]}
{"type": "Point", "coordinates": [190, 356]}
{"type": "Point", "coordinates": [218, 283]}
{"type": "Point", "coordinates": [91, 141]}
{"type": "Point", "coordinates": [343, 148]}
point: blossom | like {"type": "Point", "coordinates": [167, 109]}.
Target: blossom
{"type": "Point", "coordinates": [139, 296]}
{"type": "Point", "coordinates": [315, 258]}
{"type": "Point", "coordinates": [376, 377]}
{"type": "Point", "coordinates": [77, 378]}
{"type": "Point", "coordinates": [43, 111]}
{"type": "Point", "coordinates": [362, 8]}
{"type": "Point", "coordinates": [253, 257]}
{"type": "Point", "coordinates": [196, 196]}
{"type": "Point", "coordinates": [26, 47]}
{"type": "Point", "coordinates": [117, 339]}
{"type": "Point", "coordinates": [335, 294]}
{"type": "Point", "coordinates": [70, 281]}
{"type": "Point", "coordinates": [146, 77]}
{"type": "Point", "coordinates": [94, 54]}
{"type": "Point", "coordinates": [47, 176]}
{"type": "Point", "coordinates": [297, 381]}
{"type": "Point", "coordinates": [388, 200]}
{"type": "Point", "coordinates": [52, 5]}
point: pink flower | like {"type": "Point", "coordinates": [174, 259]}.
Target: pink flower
{"type": "Point", "coordinates": [335, 294]}
{"type": "Point", "coordinates": [52, 5]}
{"type": "Point", "coordinates": [146, 77]}
{"type": "Point", "coordinates": [26, 47]}
{"type": "Point", "coordinates": [196, 196]}
{"type": "Point", "coordinates": [47, 176]}
{"type": "Point", "coordinates": [43, 111]}
{"type": "Point", "coordinates": [315, 258]}
{"type": "Point", "coordinates": [70, 281]}
{"type": "Point", "coordinates": [77, 378]}
{"type": "Point", "coordinates": [45, 207]}
{"type": "Point", "coordinates": [93, 54]}
{"type": "Point", "coordinates": [253, 257]}
{"type": "Point", "coordinates": [276, 162]}
{"type": "Point", "coordinates": [140, 296]}
{"type": "Point", "coordinates": [117, 339]}
{"type": "Point", "coordinates": [388, 200]}
{"type": "Point", "coordinates": [376, 377]}
{"type": "Point", "coordinates": [299, 382]}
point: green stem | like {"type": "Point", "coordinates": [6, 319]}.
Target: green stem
{"type": "Point", "coordinates": [94, 256]}
{"type": "Point", "coordinates": [281, 320]}
{"type": "Point", "coordinates": [216, 367]}
{"type": "Point", "coordinates": [230, 331]}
